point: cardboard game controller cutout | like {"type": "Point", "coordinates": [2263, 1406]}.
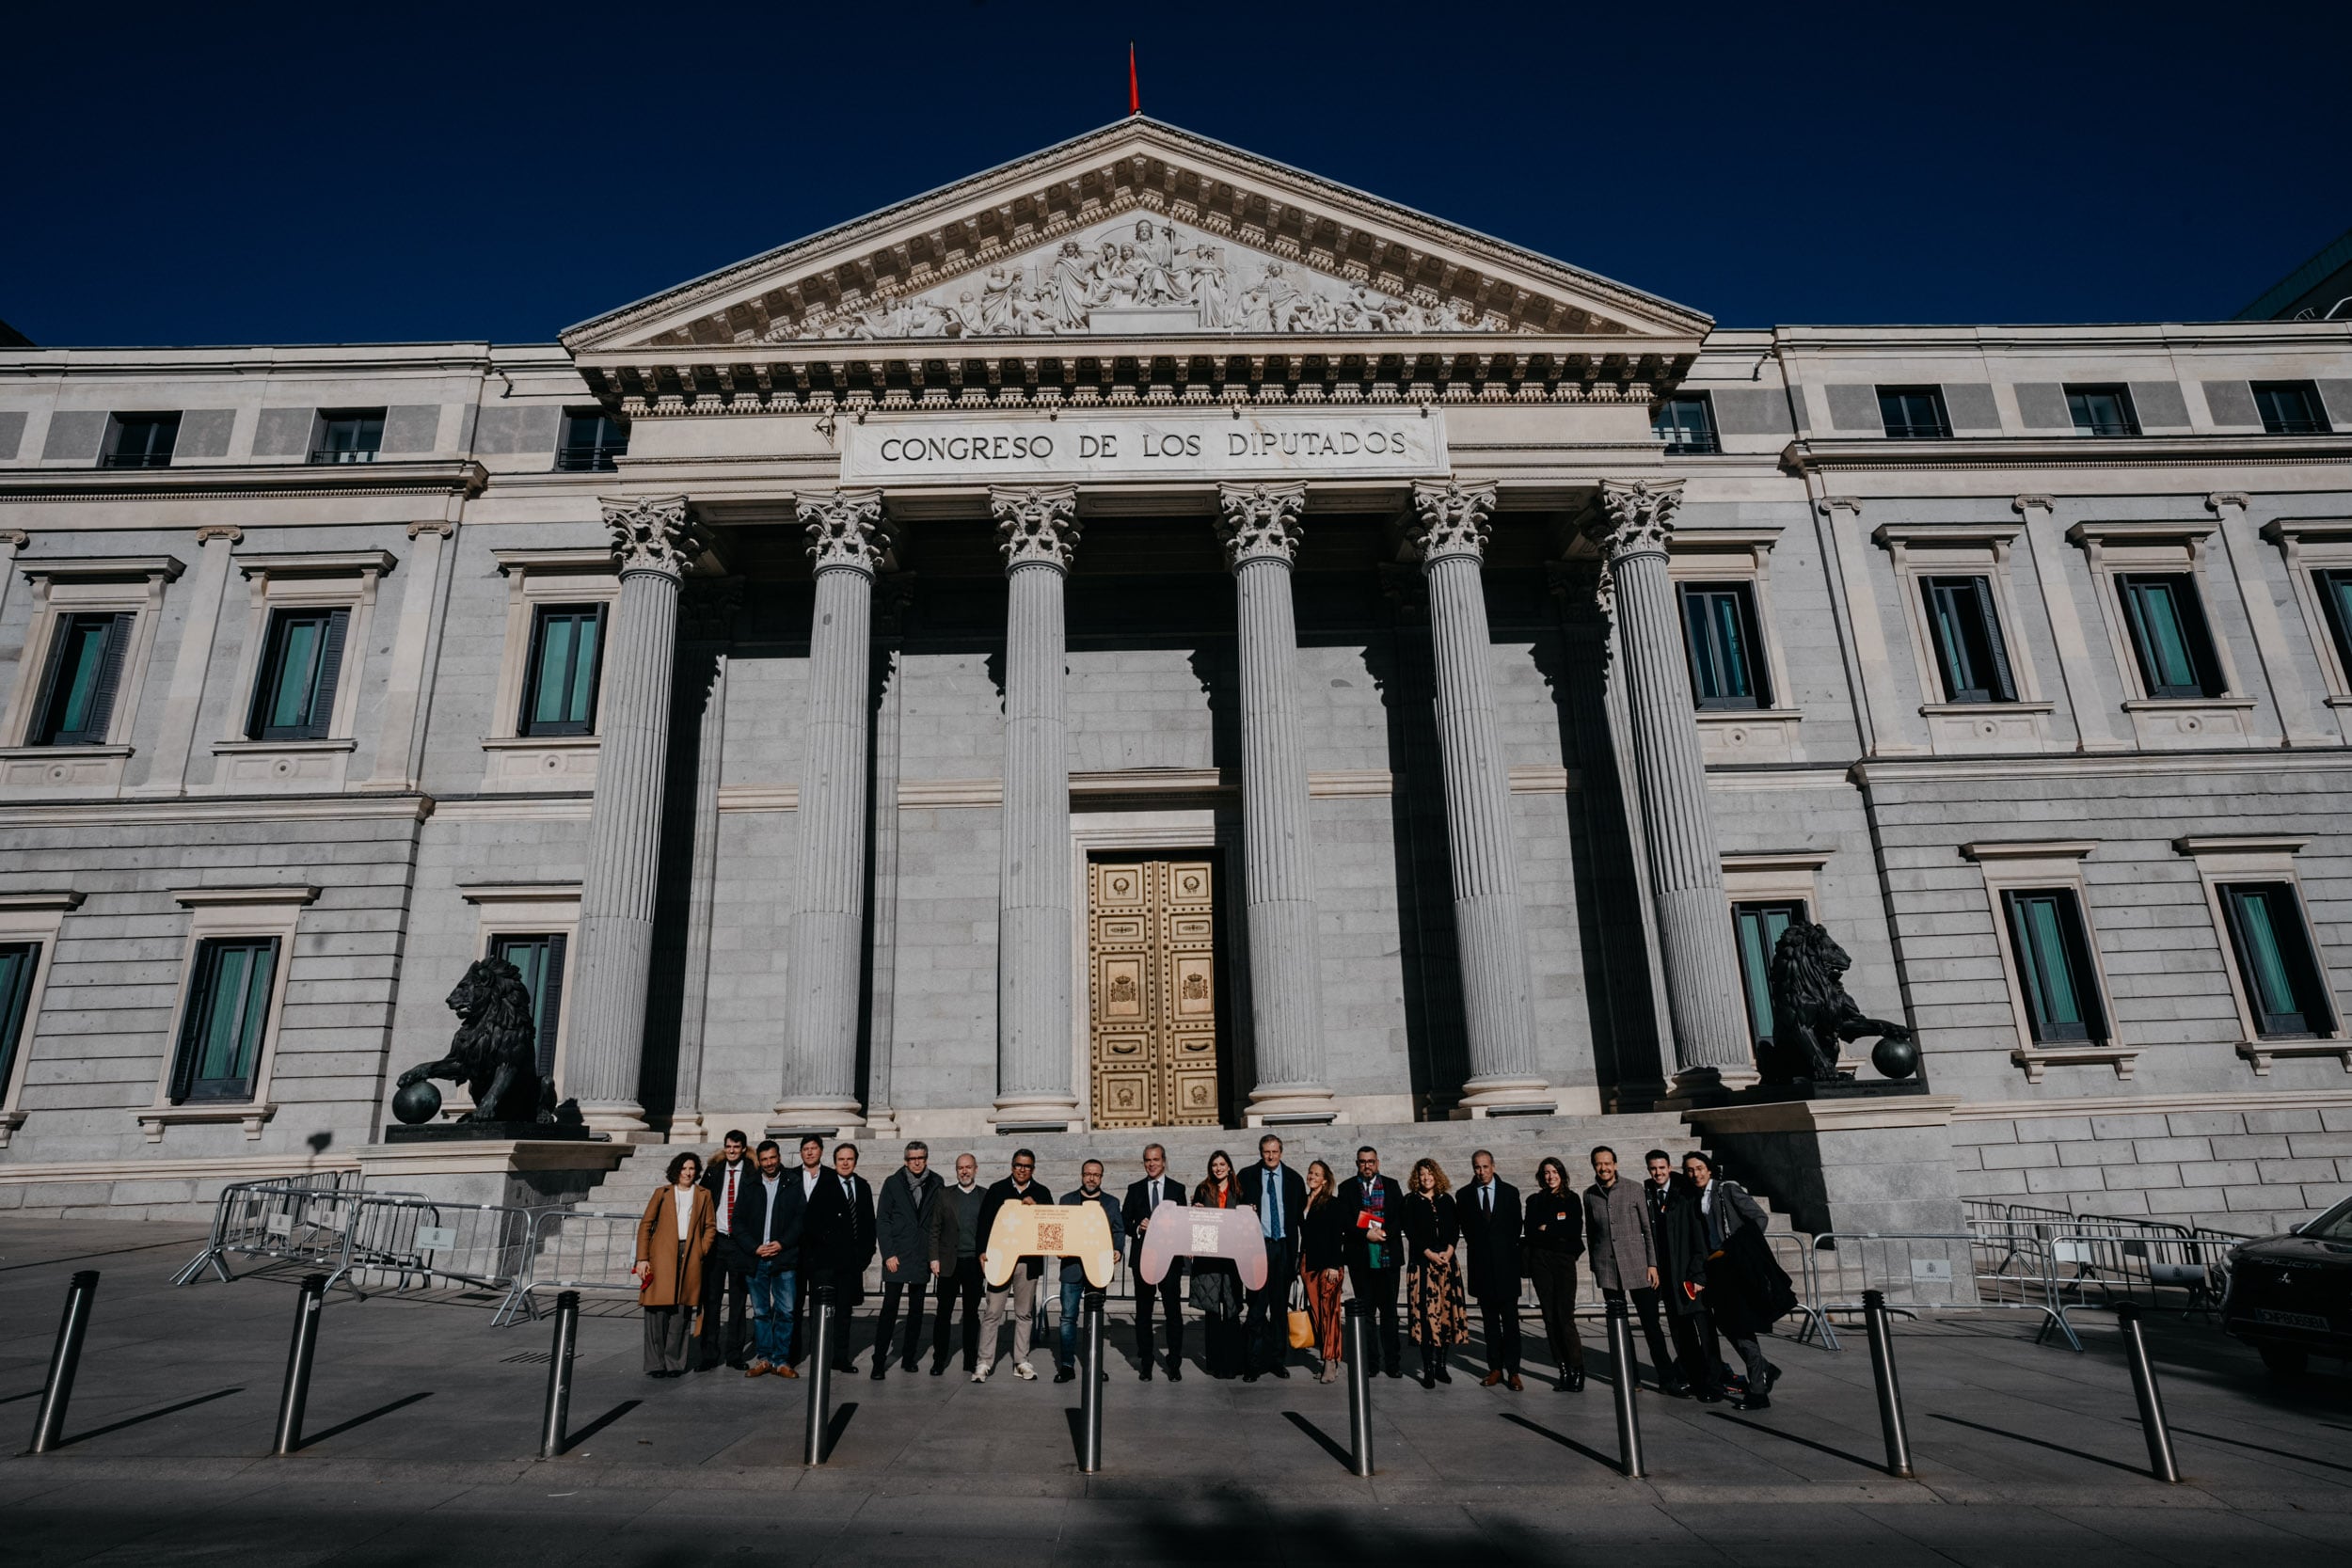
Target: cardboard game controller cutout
{"type": "Point", "coordinates": [1079, 1230]}
{"type": "Point", "coordinates": [1177, 1231]}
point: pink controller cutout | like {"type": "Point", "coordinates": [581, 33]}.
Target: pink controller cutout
{"type": "Point", "coordinates": [1176, 1232]}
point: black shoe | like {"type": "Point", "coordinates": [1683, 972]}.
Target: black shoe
{"type": "Point", "coordinates": [1772, 1379]}
{"type": "Point", "coordinates": [1063, 1374]}
{"type": "Point", "coordinates": [1678, 1389]}
{"type": "Point", "coordinates": [877, 1373]}
{"type": "Point", "coordinates": [1175, 1371]}
{"type": "Point", "coordinates": [913, 1366]}
{"type": "Point", "coordinates": [1708, 1396]}
{"type": "Point", "coordinates": [1250, 1377]}
{"type": "Point", "coordinates": [1393, 1371]}
{"type": "Point", "coordinates": [1752, 1401]}
{"type": "Point", "coordinates": [1280, 1370]}
{"type": "Point", "coordinates": [1573, 1381]}
{"type": "Point", "coordinates": [940, 1370]}
{"type": "Point", "coordinates": [1443, 1376]}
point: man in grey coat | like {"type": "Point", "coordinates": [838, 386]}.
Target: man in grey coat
{"type": "Point", "coordinates": [1624, 1256]}
{"type": "Point", "coordinates": [902, 1218]}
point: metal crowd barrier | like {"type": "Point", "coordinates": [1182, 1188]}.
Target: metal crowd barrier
{"type": "Point", "coordinates": [1924, 1272]}
{"type": "Point", "coordinates": [404, 1243]}
{"type": "Point", "coordinates": [573, 1249]}
{"type": "Point", "coordinates": [2182, 1271]}
{"type": "Point", "coordinates": [284, 1219]}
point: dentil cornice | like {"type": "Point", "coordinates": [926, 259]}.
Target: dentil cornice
{"type": "Point", "coordinates": [1259, 522]}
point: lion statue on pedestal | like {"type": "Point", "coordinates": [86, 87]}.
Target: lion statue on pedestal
{"type": "Point", "coordinates": [1811, 1012]}
{"type": "Point", "coordinates": [494, 1053]}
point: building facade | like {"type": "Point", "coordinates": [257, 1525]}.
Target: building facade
{"type": "Point", "coordinates": [1146, 636]}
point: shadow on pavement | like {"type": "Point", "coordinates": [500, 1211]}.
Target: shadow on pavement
{"type": "Point", "coordinates": [314, 1439]}
{"type": "Point", "coordinates": [150, 1415]}
{"type": "Point", "coordinates": [1323, 1439]}
{"type": "Point", "coordinates": [1562, 1439]}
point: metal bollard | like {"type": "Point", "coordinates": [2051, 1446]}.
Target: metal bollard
{"type": "Point", "coordinates": [819, 1376]}
{"type": "Point", "coordinates": [80, 1295]}
{"type": "Point", "coordinates": [560, 1374]}
{"type": "Point", "coordinates": [306, 1344]}
{"type": "Point", "coordinates": [1090, 1391]}
{"type": "Point", "coordinates": [2144, 1389]}
{"type": "Point", "coordinates": [1359, 1386]}
{"type": "Point", "coordinates": [1621, 1366]}
{"type": "Point", "coordinates": [1890, 1392]}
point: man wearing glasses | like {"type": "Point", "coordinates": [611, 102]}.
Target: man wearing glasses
{"type": "Point", "coordinates": [1021, 1290]}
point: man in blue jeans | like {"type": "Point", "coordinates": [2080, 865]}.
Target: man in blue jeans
{"type": "Point", "coordinates": [765, 1233]}
{"type": "Point", "coordinates": [1073, 1273]}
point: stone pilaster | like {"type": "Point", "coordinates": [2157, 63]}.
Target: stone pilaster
{"type": "Point", "coordinates": [1259, 528]}
{"type": "Point", "coordinates": [1036, 529]}
{"type": "Point", "coordinates": [653, 545]}
{"type": "Point", "coordinates": [1686, 875]}
{"type": "Point", "coordinates": [1448, 528]}
{"type": "Point", "coordinates": [175, 743]}
{"type": "Point", "coordinates": [847, 539]}
{"type": "Point", "coordinates": [707, 629]}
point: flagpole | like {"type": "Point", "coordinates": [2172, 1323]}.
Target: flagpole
{"type": "Point", "coordinates": [1134, 94]}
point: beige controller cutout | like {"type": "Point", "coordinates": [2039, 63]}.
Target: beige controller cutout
{"type": "Point", "coordinates": [1079, 1230]}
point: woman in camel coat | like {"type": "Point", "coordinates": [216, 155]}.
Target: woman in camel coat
{"type": "Point", "coordinates": [672, 1238]}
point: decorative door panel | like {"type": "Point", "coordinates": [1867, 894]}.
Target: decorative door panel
{"type": "Point", "coordinates": [1151, 986]}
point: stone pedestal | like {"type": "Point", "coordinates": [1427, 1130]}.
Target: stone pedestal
{"type": "Point", "coordinates": [1863, 1163]}
{"type": "Point", "coordinates": [525, 1173]}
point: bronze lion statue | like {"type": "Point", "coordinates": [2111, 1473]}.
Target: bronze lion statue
{"type": "Point", "coordinates": [1811, 1012]}
{"type": "Point", "coordinates": [494, 1053]}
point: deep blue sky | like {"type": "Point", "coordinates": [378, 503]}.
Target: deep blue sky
{"type": "Point", "coordinates": [203, 174]}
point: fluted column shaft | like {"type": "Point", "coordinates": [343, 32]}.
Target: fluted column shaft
{"type": "Point", "coordinates": [846, 541]}
{"type": "Point", "coordinates": [1686, 875]}
{"type": "Point", "coordinates": [1036, 530]}
{"type": "Point", "coordinates": [1260, 526]}
{"type": "Point", "coordinates": [653, 545]}
{"type": "Point", "coordinates": [1450, 527]}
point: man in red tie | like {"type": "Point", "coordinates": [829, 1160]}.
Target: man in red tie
{"type": "Point", "coordinates": [723, 1273]}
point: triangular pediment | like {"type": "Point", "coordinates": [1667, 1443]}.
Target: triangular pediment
{"type": "Point", "coordinates": [1137, 230]}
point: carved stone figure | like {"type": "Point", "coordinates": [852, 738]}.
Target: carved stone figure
{"type": "Point", "coordinates": [495, 1050]}
{"type": "Point", "coordinates": [1811, 1011]}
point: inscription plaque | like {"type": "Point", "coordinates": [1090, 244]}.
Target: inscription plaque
{"type": "Point", "coordinates": [1210, 444]}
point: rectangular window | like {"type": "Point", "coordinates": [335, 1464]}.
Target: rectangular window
{"type": "Point", "coordinates": [2335, 601]}
{"type": "Point", "coordinates": [78, 690]}
{"type": "Point", "coordinates": [1685, 424]}
{"type": "Point", "coordinates": [2290, 408]}
{"type": "Point", "coordinates": [17, 961]}
{"type": "Point", "coordinates": [1968, 646]}
{"type": "Point", "coordinates": [220, 1038]}
{"type": "Point", "coordinates": [559, 685]}
{"type": "Point", "coordinates": [141, 441]}
{"type": "Point", "coordinates": [1914, 413]}
{"type": "Point", "coordinates": [591, 439]}
{"type": "Point", "coordinates": [295, 699]}
{"type": "Point", "coordinates": [1756, 927]}
{"type": "Point", "coordinates": [2275, 959]}
{"type": "Point", "coordinates": [541, 960]}
{"type": "Point", "coordinates": [2101, 410]}
{"type": "Point", "coordinates": [1726, 655]}
{"type": "Point", "coordinates": [2053, 969]}
{"type": "Point", "coordinates": [2168, 635]}
{"type": "Point", "coordinates": [348, 435]}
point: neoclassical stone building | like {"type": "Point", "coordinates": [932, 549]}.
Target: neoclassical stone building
{"type": "Point", "coordinates": [1146, 636]}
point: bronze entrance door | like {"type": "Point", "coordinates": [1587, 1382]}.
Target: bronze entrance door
{"type": "Point", "coordinates": [1152, 992]}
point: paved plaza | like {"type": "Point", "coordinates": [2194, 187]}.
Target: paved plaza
{"type": "Point", "coordinates": [423, 1418]}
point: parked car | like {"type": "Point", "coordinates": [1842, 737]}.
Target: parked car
{"type": "Point", "coordinates": [2291, 1296]}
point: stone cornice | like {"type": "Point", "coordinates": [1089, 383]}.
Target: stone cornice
{"type": "Point", "coordinates": [1839, 455]}
{"type": "Point", "coordinates": [256, 481]}
{"type": "Point", "coordinates": [258, 809]}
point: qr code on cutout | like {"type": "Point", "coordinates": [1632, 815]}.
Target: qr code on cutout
{"type": "Point", "coordinates": [1049, 1238]}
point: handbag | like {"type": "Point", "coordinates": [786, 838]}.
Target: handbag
{"type": "Point", "coordinates": [1302, 1327]}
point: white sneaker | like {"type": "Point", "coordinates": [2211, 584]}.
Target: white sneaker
{"type": "Point", "coordinates": [981, 1376]}
{"type": "Point", "coordinates": [1025, 1372]}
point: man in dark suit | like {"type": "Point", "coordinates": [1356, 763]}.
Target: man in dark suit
{"type": "Point", "coordinates": [1278, 1193]}
{"type": "Point", "coordinates": [726, 1300]}
{"type": "Point", "coordinates": [903, 1227]}
{"type": "Point", "coordinates": [1491, 1217]}
{"type": "Point", "coordinates": [1372, 1218]}
{"type": "Point", "coordinates": [1157, 1187]}
{"type": "Point", "coordinates": [765, 1230]}
{"type": "Point", "coordinates": [837, 1242]}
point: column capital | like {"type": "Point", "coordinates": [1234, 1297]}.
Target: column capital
{"type": "Point", "coordinates": [1841, 503]}
{"type": "Point", "coordinates": [1635, 518]}
{"type": "Point", "coordinates": [1450, 519]}
{"type": "Point", "coordinates": [844, 529]}
{"type": "Point", "coordinates": [1036, 525]}
{"type": "Point", "coordinates": [228, 532]}
{"type": "Point", "coordinates": [2024, 504]}
{"type": "Point", "coordinates": [2228, 500]}
{"type": "Point", "coordinates": [652, 534]}
{"type": "Point", "coordinates": [440, 528]}
{"type": "Point", "coordinates": [1259, 522]}
{"type": "Point", "coordinates": [15, 538]}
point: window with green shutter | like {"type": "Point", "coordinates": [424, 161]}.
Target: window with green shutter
{"type": "Point", "coordinates": [1720, 636]}
{"type": "Point", "coordinates": [2169, 640]}
{"type": "Point", "coordinates": [2335, 602]}
{"type": "Point", "coordinates": [2275, 959]}
{"type": "Point", "coordinates": [78, 688]}
{"type": "Point", "coordinates": [17, 961]}
{"type": "Point", "coordinates": [540, 959]}
{"type": "Point", "coordinates": [2054, 965]}
{"type": "Point", "coordinates": [1757, 929]}
{"type": "Point", "coordinates": [301, 664]}
{"type": "Point", "coordinates": [1969, 653]}
{"type": "Point", "coordinates": [220, 1034]}
{"type": "Point", "coordinates": [560, 683]}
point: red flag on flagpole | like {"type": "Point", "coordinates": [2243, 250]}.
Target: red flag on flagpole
{"type": "Point", "coordinates": [1135, 95]}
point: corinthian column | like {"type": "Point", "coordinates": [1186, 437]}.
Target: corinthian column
{"type": "Point", "coordinates": [846, 541]}
{"type": "Point", "coordinates": [653, 545]}
{"type": "Point", "coordinates": [1036, 529]}
{"type": "Point", "coordinates": [1686, 873]}
{"type": "Point", "coordinates": [1259, 525]}
{"type": "Point", "coordinates": [1448, 529]}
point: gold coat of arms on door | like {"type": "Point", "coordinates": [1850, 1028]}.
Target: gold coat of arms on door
{"type": "Point", "coordinates": [1151, 988]}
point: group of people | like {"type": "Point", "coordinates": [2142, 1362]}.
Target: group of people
{"type": "Point", "coordinates": [728, 1257]}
